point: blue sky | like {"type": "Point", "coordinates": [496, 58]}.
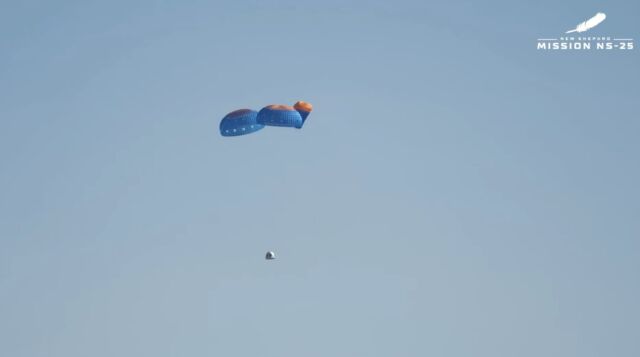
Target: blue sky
{"type": "Point", "coordinates": [454, 192]}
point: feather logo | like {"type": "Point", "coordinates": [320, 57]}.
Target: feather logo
{"type": "Point", "coordinates": [589, 24]}
{"type": "Point", "coordinates": [583, 43]}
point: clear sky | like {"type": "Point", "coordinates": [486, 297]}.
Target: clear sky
{"type": "Point", "coordinates": [455, 192]}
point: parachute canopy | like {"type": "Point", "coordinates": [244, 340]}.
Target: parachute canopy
{"type": "Point", "coordinates": [280, 115]}
{"type": "Point", "coordinates": [240, 122]}
{"type": "Point", "coordinates": [304, 109]}
{"type": "Point", "coordinates": [246, 121]}
{"type": "Point", "coordinates": [270, 255]}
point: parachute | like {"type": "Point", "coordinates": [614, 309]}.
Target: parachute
{"type": "Point", "coordinates": [246, 121]}
{"type": "Point", "coordinates": [304, 109]}
{"type": "Point", "coordinates": [240, 122]}
{"type": "Point", "coordinates": [270, 255]}
{"type": "Point", "coordinates": [280, 115]}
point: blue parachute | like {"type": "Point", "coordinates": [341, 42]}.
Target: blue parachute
{"type": "Point", "coordinates": [284, 115]}
{"type": "Point", "coordinates": [280, 115]}
{"type": "Point", "coordinates": [245, 121]}
{"type": "Point", "coordinates": [240, 122]}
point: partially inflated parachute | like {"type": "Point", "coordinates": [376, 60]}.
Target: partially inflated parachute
{"type": "Point", "coordinates": [245, 121]}
{"type": "Point", "coordinates": [280, 115]}
{"type": "Point", "coordinates": [240, 122]}
{"type": "Point", "coordinates": [304, 109]}
{"type": "Point", "coordinates": [284, 115]}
